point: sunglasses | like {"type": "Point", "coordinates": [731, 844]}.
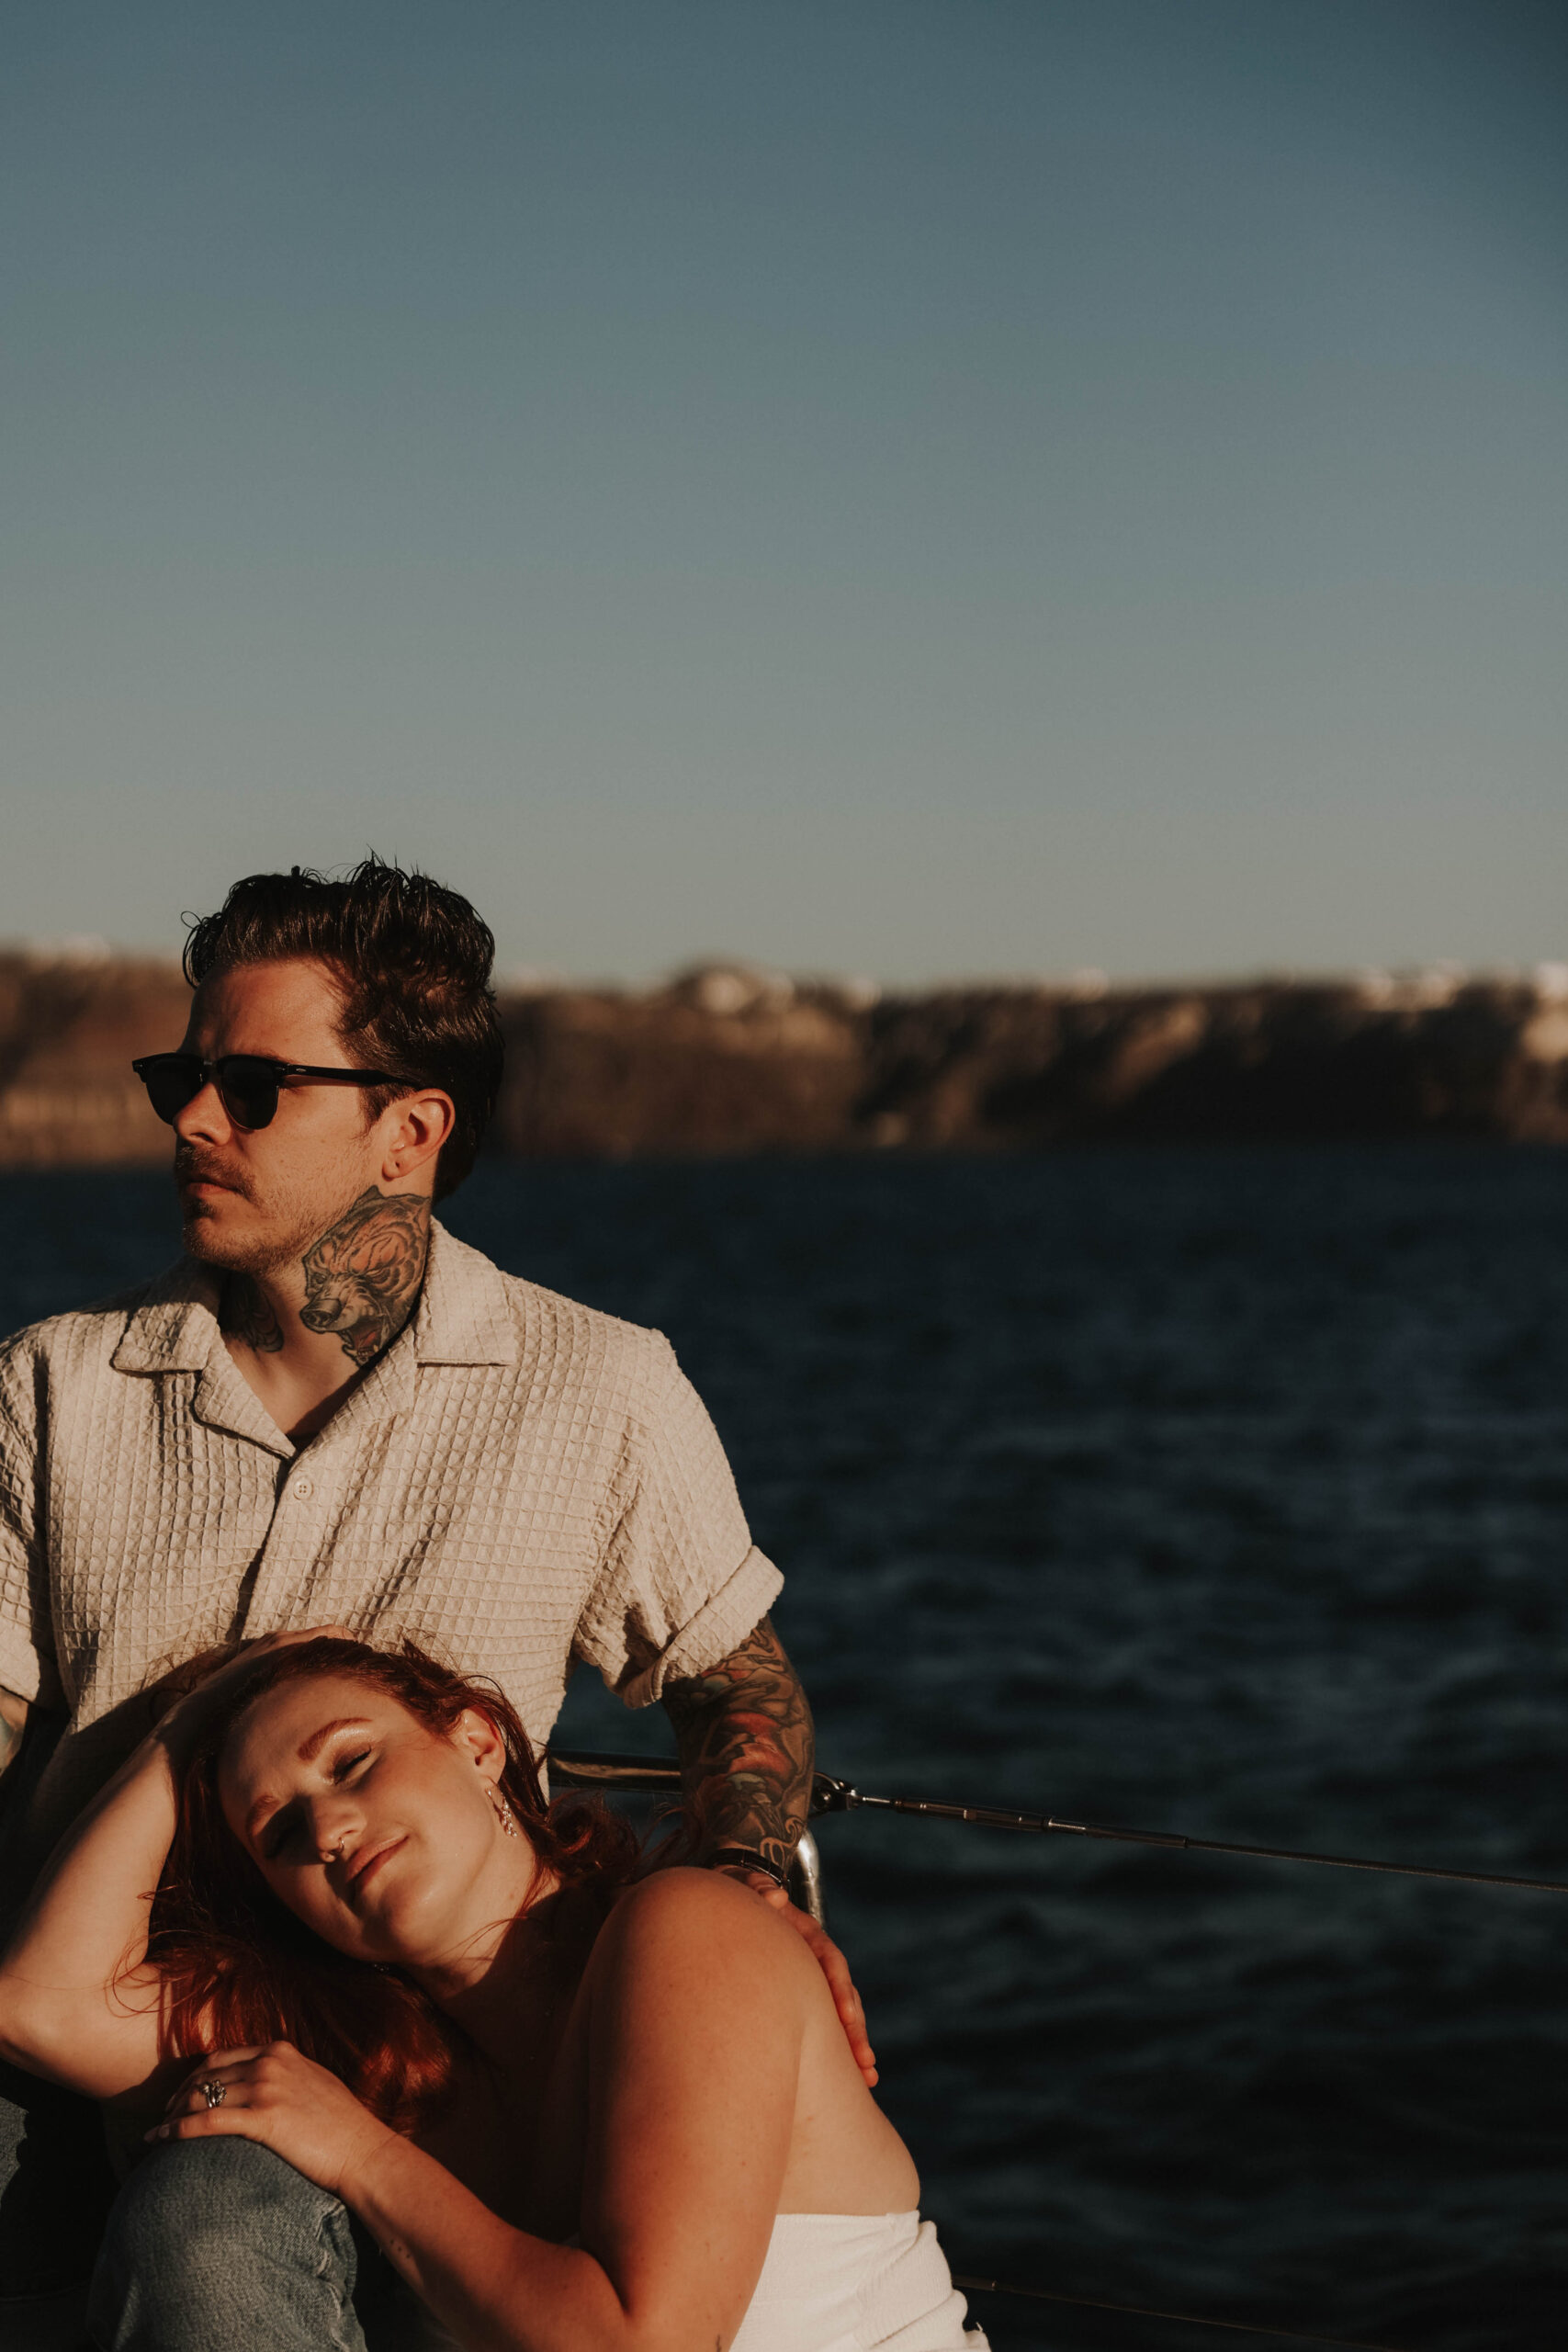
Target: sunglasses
{"type": "Point", "coordinates": [247, 1083]}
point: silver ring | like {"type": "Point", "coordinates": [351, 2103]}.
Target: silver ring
{"type": "Point", "coordinates": [213, 2091]}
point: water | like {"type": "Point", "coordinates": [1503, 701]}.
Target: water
{"type": "Point", "coordinates": [1218, 1490]}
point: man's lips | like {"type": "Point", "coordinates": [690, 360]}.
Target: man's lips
{"type": "Point", "coordinates": [203, 1180]}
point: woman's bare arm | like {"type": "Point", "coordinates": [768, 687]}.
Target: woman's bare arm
{"type": "Point", "coordinates": [698, 1996]}
{"type": "Point", "coordinates": [697, 2004]}
{"type": "Point", "coordinates": [77, 2001]}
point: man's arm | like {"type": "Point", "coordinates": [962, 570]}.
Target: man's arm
{"type": "Point", "coordinates": [743, 1732]}
{"type": "Point", "coordinates": [744, 1736]}
{"type": "Point", "coordinates": [13, 1722]}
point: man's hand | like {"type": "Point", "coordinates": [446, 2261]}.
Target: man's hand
{"type": "Point", "coordinates": [744, 1734]}
{"type": "Point", "coordinates": [831, 1962]}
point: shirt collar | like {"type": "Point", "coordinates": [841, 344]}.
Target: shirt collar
{"type": "Point", "coordinates": [174, 1327]}
{"type": "Point", "coordinates": [464, 1314]}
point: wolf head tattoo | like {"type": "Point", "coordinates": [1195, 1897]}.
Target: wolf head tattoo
{"type": "Point", "coordinates": [363, 1274]}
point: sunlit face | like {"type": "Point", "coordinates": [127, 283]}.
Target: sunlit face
{"type": "Point", "coordinates": [254, 1200]}
{"type": "Point", "coordinates": [380, 1835]}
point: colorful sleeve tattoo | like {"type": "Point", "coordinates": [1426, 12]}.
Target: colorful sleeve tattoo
{"type": "Point", "coordinates": [744, 1730]}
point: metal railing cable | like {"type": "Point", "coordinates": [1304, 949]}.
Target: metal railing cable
{"type": "Point", "coordinates": [1040, 1824]}
{"type": "Point", "coordinates": [830, 1795]}
{"type": "Point", "coordinates": [1181, 2319]}
{"type": "Point", "coordinates": [661, 1777]}
{"type": "Point", "coordinates": [993, 1817]}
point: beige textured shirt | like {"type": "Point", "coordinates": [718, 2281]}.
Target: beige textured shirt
{"type": "Point", "coordinates": [518, 1483]}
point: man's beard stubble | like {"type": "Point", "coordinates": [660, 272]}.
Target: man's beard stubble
{"type": "Point", "coordinates": [274, 1235]}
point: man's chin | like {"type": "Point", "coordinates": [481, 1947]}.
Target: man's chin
{"type": "Point", "coordinates": [210, 1247]}
{"type": "Point", "coordinates": [216, 1236]}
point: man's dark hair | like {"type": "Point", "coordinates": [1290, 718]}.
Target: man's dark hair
{"type": "Point", "coordinates": [414, 961]}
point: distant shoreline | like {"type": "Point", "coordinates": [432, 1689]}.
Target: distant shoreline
{"type": "Point", "coordinates": [725, 1060]}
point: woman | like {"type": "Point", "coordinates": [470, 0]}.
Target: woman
{"type": "Point", "coordinates": [579, 2110]}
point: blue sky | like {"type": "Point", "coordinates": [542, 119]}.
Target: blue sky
{"type": "Point", "coordinates": [869, 485]}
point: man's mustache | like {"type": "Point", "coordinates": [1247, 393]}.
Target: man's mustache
{"type": "Point", "coordinates": [193, 1166]}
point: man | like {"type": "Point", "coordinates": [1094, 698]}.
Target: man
{"type": "Point", "coordinates": [332, 1411]}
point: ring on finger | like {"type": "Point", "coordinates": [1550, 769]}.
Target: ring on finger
{"type": "Point", "coordinates": [213, 2091]}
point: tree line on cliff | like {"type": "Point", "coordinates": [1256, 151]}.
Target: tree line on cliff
{"type": "Point", "coordinates": [723, 1060]}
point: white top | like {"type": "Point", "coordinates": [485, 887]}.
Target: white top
{"type": "Point", "coordinates": [855, 2282]}
{"type": "Point", "coordinates": [518, 1482]}
{"type": "Point", "coordinates": [831, 2282]}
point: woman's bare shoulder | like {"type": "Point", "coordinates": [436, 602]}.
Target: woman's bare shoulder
{"type": "Point", "coordinates": [683, 1900]}
{"type": "Point", "coordinates": [681, 1917]}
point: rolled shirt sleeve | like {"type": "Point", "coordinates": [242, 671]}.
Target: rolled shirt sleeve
{"type": "Point", "coordinates": [683, 1583]}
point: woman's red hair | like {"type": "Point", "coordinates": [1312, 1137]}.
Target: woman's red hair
{"type": "Point", "coordinates": [238, 1968]}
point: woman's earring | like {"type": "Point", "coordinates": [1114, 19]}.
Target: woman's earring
{"type": "Point", "coordinates": [503, 1812]}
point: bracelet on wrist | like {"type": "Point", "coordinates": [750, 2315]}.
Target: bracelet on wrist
{"type": "Point", "coordinates": [747, 1858]}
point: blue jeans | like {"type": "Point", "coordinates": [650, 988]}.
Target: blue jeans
{"type": "Point", "coordinates": [215, 2244]}
{"type": "Point", "coordinates": [55, 2187]}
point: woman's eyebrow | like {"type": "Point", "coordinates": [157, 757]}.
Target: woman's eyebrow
{"type": "Point", "coordinates": [309, 1749]}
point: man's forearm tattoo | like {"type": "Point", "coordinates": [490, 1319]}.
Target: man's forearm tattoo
{"type": "Point", "coordinates": [746, 1748]}
{"type": "Point", "coordinates": [362, 1275]}
{"type": "Point", "coordinates": [13, 1723]}
{"type": "Point", "coordinates": [247, 1312]}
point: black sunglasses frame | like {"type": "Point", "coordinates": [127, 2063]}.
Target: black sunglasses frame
{"type": "Point", "coordinates": [149, 1066]}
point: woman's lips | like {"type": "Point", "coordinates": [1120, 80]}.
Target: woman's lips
{"type": "Point", "coordinates": [359, 1877]}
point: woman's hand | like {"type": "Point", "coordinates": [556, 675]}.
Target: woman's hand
{"type": "Point", "coordinates": [187, 1699]}
{"type": "Point", "coordinates": [286, 2101]}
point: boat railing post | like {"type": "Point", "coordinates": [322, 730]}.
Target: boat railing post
{"type": "Point", "coordinates": [806, 1878]}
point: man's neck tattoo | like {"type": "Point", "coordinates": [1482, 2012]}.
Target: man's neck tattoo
{"type": "Point", "coordinates": [247, 1315]}
{"type": "Point", "coordinates": [361, 1276]}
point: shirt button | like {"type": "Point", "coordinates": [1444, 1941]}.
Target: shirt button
{"type": "Point", "coordinates": [302, 1489]}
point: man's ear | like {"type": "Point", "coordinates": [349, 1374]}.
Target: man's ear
{"type": "Point", "coordinates": [415, 1127]}
{"type": "Point", "coordinates": [476, 1734]}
